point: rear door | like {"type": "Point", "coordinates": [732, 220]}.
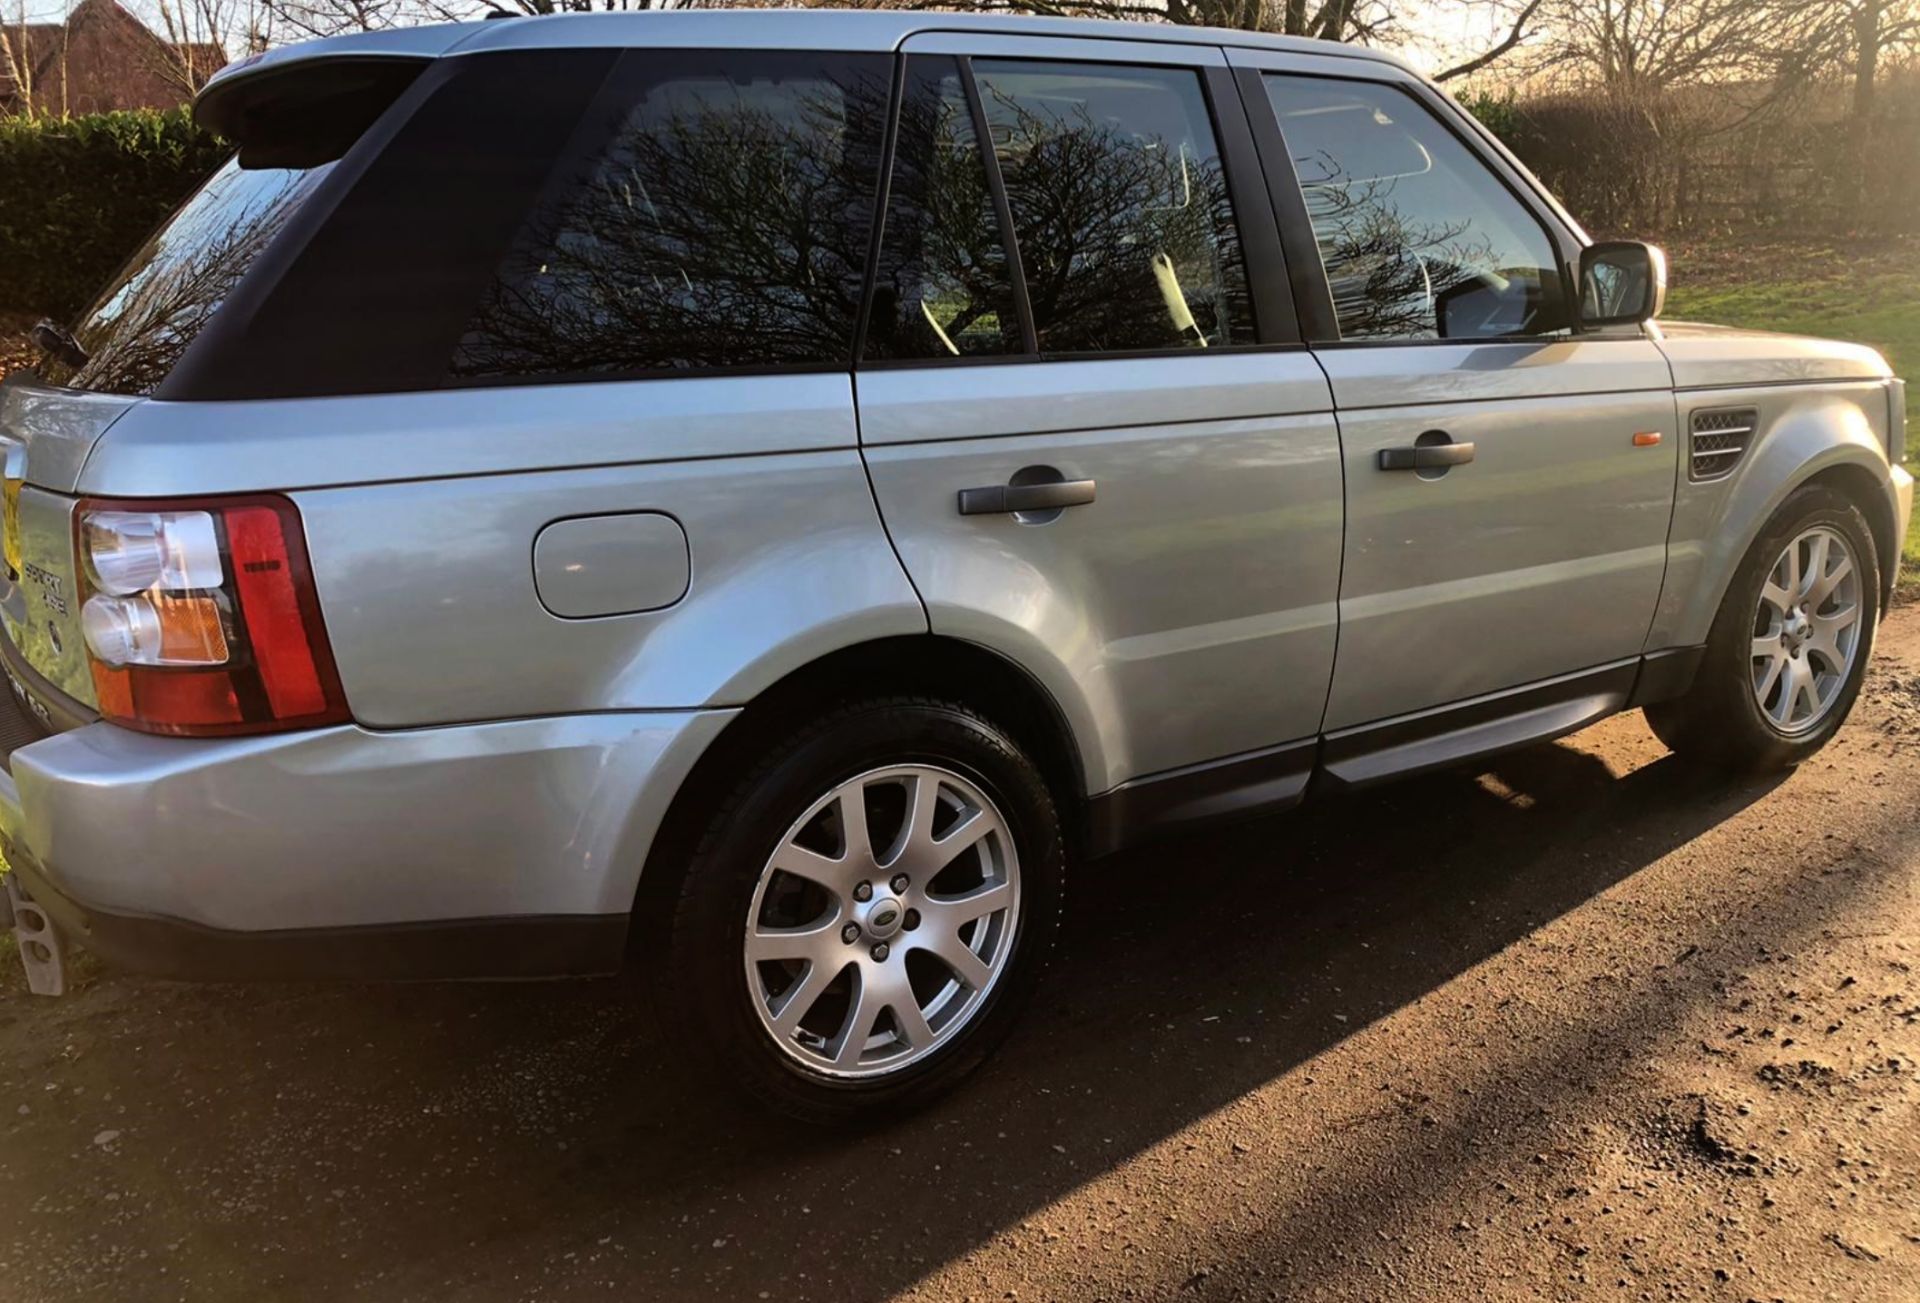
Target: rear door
{"type": "Point", "coordinates": [1533, 544]}
{"type": "Point", "coordinates": [1098, 445]}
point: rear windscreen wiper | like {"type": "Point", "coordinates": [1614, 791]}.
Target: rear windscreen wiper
{"type": "Point", "coordinates": [57, 343]}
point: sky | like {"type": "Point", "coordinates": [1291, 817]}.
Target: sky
{"type": "Point", "coordinates": [1437, 31]}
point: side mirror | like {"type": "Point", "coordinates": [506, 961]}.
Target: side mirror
{"type": "Point", "coordinates": [1622, 283]}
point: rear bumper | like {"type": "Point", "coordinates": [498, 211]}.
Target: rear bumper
{"type": "Point", "coordinates": [491, 850]}
{"type": "Point", "coordinates": [455, 948]}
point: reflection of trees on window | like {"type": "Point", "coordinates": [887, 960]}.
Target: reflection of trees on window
{"type": "Point", "coordinates": [1120, 205]}
{"type": "Point", "coordinates": [725, 223]}
{"type": "Point", "coordinates": [1419, 239]}
{"type": "Point", "coordinates": [1386, 266]}
{"type": "Point", "coordinates": [170, 290]}
{"type": "Point", "coordinates": [943, 288]}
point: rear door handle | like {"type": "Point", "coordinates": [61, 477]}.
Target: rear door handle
{"type": "Point", "coordinates": [1003, 498]}
{"type": "Point", "coordinates": [1425, 456]}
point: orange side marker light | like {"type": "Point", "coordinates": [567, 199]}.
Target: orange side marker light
{"type": "Point", "coordinates": [1647, 438]}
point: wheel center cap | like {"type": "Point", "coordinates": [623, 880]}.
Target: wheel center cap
{"type": "Point", "coordinates": [884, 915]}
{"type": "Point", "coordinates": [1797, 630]}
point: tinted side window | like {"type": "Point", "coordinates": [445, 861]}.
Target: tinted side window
{"type": "Point", "coordinates": [1419, 238]}
{"type": "Point", "coordinates": [1120, 208]}
{"type": "Point", "coordinates": [943, 286]}
{"type": "Point", "coordinates": [715, 210]}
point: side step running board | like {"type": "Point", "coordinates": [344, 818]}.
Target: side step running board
{"type": "Point", "coordinates": [1257, 783]}
{"type": "Point", "coordinates": [1452, 735]}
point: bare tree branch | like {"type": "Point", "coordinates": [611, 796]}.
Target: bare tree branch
{"type": "Point", "coordinates": [1515, 34]}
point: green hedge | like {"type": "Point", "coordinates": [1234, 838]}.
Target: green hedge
{"type": "Point", "coordinates": [1500, 114]}
{"type": "Point", "coordinates": [78, 195]}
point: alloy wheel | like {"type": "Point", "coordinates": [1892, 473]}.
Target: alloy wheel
{"type": "Point", "coordinates": [1806, 630]}
{"type": "Point", "coordinates": [882, 920]}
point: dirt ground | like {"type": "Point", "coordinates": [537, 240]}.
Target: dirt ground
{"type": "Point", "coordinates": [1588, 1026]}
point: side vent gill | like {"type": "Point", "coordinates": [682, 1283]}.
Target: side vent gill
{"type": "Point", "coordinates": [1718, 440]}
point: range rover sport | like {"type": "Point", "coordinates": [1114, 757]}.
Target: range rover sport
{"type": "Point", "coordinates": [770, 493]}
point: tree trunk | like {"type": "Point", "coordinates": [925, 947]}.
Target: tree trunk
{"type": "Point", "coordinates": [1335, 28]}
{"type": "Point", "coordinates": [1866, 67]}
{"type": "Point", "coordinates": [1296, 21]}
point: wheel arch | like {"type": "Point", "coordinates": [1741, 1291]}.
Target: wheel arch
{"type": "Point", "coordinates": [1859, 486]}
{"type": "Point", "coordinates": [1717, 523]}
{"type": "Point", "coordinates": [945, 667]}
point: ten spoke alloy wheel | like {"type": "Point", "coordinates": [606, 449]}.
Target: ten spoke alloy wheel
{"type": "Point", "coordinates": [1806, 630]}
{"type": "Point", "coordinates": [882, 920]}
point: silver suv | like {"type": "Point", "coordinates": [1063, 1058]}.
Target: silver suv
{"type": "Point", "coordinates": [766, 492]}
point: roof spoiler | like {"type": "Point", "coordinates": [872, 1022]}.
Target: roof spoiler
{"type": "Point", "coordinates": [304, 114]}
{"type": "Point", "coordinates": [302, 105]}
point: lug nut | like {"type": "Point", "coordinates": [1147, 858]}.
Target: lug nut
{"type": "Point", "coordinates": [850, 933]}
{"type": "Point", "coordinates": [912, 920]}
{"type": "Point", "coordinates": [863, 893]}
{"type": "Point", "coordinates": [899, 884]}
{"type": "Point", "coordinates": [880, 952]}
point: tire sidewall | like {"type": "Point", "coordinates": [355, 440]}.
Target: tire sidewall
{"type": "Point", "coordinates": [706, 943]}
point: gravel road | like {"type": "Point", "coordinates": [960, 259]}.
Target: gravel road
{"type": "Point", "coordinates": [1588, 1026]}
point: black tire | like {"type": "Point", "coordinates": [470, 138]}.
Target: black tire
{"type": "Point", "coordinates": [699, 968]}
{"type": "Point", "coordinates": [1719, 721]}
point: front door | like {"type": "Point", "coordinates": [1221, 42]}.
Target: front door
{"type": "Point", "coordinates": [1086, 444]}
{"type": "Point", "coordinates": [1509, 483]}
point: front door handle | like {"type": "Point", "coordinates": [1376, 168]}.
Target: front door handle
{"type": "Point", "coordinates": [1003, 498]}
{"type": "Point", "coordinates": [1427, 456]}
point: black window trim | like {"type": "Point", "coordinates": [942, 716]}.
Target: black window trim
{"type": "Point", "coordinates": [646, 375]}
{"type": "Point", "coordinates": [1002, 209]}
{"type": "Point", "coordinates": [1275, 319]}
{"type": "Point", "coordinates": [882, 198]}
{"type": "Point", "coordinates": [1051, 359]}
{"type": "Point", "coordinates": [1307, 276]}
{"type": "Point", "coordinates": [1296, 229]}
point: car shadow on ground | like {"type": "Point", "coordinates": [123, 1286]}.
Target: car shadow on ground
{"type": "Point", "coordinates": [449, 1134]}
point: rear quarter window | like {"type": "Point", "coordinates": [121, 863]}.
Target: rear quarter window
{"type": "Point", "coordinates": [715, 212]}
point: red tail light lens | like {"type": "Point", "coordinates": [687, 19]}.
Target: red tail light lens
{"type": "Point", "coordinates": [201, 618]}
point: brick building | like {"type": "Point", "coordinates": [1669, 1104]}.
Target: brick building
{"type": "Point", "coordinates": [100, 58]}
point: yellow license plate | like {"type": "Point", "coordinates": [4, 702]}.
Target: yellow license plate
{"type": "Point", "coordinates": [12, 535]}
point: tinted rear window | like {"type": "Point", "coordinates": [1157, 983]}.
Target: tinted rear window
{"type": "Point", "coordinates": [167, 293]}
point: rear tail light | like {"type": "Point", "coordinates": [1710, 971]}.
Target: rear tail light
{"type": "Point", "coordinates": [201, 617]}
